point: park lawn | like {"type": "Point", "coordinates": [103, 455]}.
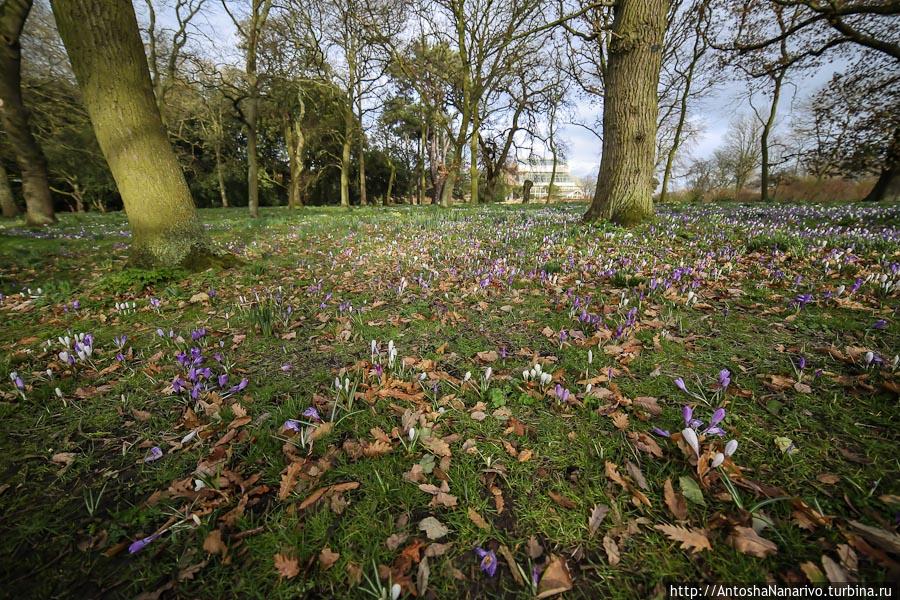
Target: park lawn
{"type": "Point", "coordinates": [254, 496]}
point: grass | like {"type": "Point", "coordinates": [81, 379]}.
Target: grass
{"type": "Point", "coordinates": [523, 282]}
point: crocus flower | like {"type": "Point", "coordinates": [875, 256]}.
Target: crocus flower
{"type": "Point", "coordinates": [724, 378]}
{"type": "Point", "coordinates": [879, 324]}
{"type": "Point", "coordinates": [679, 383]}
{"type": "Point", "coordinates": [223, 380]}
{"type": "Point", "coordinates": [140, 544]}
{"type": "Point", "coordinates": [687, 413]}
{"type": "Point", "coordinates": [286, 367]}
{"type": "Point", "coordinates": [312, 414]}
{"type": "Point", "coordinates": [730, 447]}
{"type": "Point", "coordinates": [660, 432]}
{"type": "Point", "coordinates": [155, 453]}
{"type": "Point", "coordinates": [488, 561]}
{"type": "Point", "coordinates": [690, 436]}
{"type": "Point", "coordinates": [718, 459]}
{"type": "Point", "coordinates": [292, 425]}
{"type": "Point", "coordinates": [239, 387]}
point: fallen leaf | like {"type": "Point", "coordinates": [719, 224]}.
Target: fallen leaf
{"type": "Point", "coordinates": [433, 528]}
{"type": "Point", "coordinates": [213, 543]}
{"type": "Point", "coordinates": [63, 458]}
{"type": "Point", "coordinates": [691, 490]}
{"type": "Point", "coordinates": [887, 540]}
{"type": "Point", "coordinates": [833, 571]}
{"type": "Point", "coordinates": [327, 558]}
{"type": "Point", "coordinates": [556, 578]}
{"type": "Point", "coordinates": [488, 356]}
{"type": "Point", "coordinates": [747, 541]}
{"type": "Point", "coordinates": [477, 519]}
{"type": "Point", "coordinates": [636, 474]}
{"type": "Point", "coordinates": [562, 500]}
{"type": "Point", "coordinates": [675, 501]}
{"type": "Point", "coordinates": [694, 540]}
{"type": "Point", "coordinates": [289, 480]}
{"type": "Point", "coordinates": [422, 577]}
{"type": "Point", "coordinates": [597, 515]}
{"type": "Point", "coordinates": [612, 550]}
{"type": "Point", "coordinates": [287, 566]}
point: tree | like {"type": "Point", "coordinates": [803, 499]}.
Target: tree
{"type": "Point", "coordinates": [14, 116]}
{"type": "Point", "coordinates": [107, 56]}
{"type": "Point", "coordinates": [251, 30]}
{"type": "Point", "coordinates": [8, 208]}
{"type": "Point", "coordinates": [740, 155]}
{"type": "Point", "coordinates": [625, 181]}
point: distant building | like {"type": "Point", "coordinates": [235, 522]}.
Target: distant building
{"type": "Point", "coordinates": [539, 171]}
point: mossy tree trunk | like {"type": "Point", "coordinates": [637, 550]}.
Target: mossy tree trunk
{"type": "Point", "coordinates": [473, 163]}
{"type": "Point", "coordinates": [107, 56]}
{"type": "Point", "coordinates": [14, 116]}
{"type": "Point", "coordinates": [345, 166]}
{"type": "Point", "coordinates": [624, 192]}
{"type": "Point", "coordinates": [8, 206]}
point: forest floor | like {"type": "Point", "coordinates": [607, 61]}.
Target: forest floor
{"type": "Point", "coordinates": [194, 443]}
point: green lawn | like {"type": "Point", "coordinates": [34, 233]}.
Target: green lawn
{"type": "Point", "coordinates": [798, 303]}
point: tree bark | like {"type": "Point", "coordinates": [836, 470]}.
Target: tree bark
{"type": "Point", "coordinates": [363, 197]}
{"type": "Point", "coordinates": [220, 173]}
{"type": "Point", "coordinates": [526, 191]}
{"type": "Point", "coordinates": [345, 172]}
{"type": "Point", "coordinates": [473, 166]}
{"type": "Point", "coordinates": [887, 187]}
{"type": "Point", "coordinates": [8, 206]}
{"type": "Point", "coordinates": [14, 116]}
{"type": "Point", "coordinates": [624, 192]}
{"type": "Point", "coordinates": [390, 187]}
{"type": "Point", "coordinates": [107, 56]}
{"type": "Point", "coordinates": [768, 126]}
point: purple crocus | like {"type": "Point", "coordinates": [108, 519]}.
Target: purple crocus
{"type": "Point", "coordinates": [292, 425]}
{"type": "Point", "coordinates": [488, 561]}
{"type": "Point", "coordinates": [687, 413]}
{"type": "Point", "coordinates": [717, 418]}
{"type": "Point", "coordinates": [660, 432]}
{"type": "Point", "coordinates": [223, 380]}
{"type": "Point", "coordinates": [724, 378]}
{"type": "Point", "coordinates": [879, 324]}
{"type": "Point", "coordinates": [679, 383]}
{"type": "Point", "coordinates": [242, 385]}
{"type": "Point", "coordinates": [198, 333]}
{"type": "Point", "coordinates": [154, 454]}
{"type": "Point", "coordinates": [139, 545]}
{"type": "Point", "coordinates": [312, 414]}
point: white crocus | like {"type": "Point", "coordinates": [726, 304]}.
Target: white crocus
{"type": "Point", "coordinates": [718, 459]}
{"type": "Point", "coordinates": [731, 447]}
{"type": "Point", "coordinates": [690, 436]}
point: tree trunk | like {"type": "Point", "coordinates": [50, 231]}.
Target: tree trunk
{"type": "Point", "coordinates": [363, 198]}
{"type": "Point", "coordinates": [624, 192]}
{"type": "Point", "coordinates": [107, 56]}
{"type": "Point", "coordinates": [526, 191]}
{"type": "Point", "coordinates": [552, 174]}
{"type": "Point", "coordinates": [14, 116]}
{"type": "Point", "coordinates": [887, 187]}
{"type": "Point", "coordinates": [764, 139]}
{"type": "Point", "coordinates": [252, 158]}
{"type": "Point", "coordinates": [220, 173]}
{"type": "Point", "coordinates": [390, 188]}
{"type": "Point", "coordinates": [8, 206]}
{"type": "Point", "coordinates": [473, 167]}
{"type": "Point", "coordinates": [345, 173]}
{"type": "Point", "coordinates": [420, 192]}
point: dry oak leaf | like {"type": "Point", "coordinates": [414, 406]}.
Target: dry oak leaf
{"type": "Point", "coordinates": [489, 356]}
{"type": "Point", "coordinates": [477, 519]}
{"type": "Point", "coordinates": [289, 480]}
{"type": "Point", "coordinates": [327, 558]}
{"type": "Point", "coordinates": [556, 578]}
{"type": "Point", "coordinates": [213, 543]}
{"type": "Point", "coordinates": [675, 501]}
{"type": "Point", "coordinates": [321, 492]}
{"type": "Point", "coordinates": [747, 541]}
{"type": "Point", "coordinates": [597, 515]}
{"type": "Point", "coordinates": [437, 446]}
{"type": "Point", "coordinates": [612, 550]}
{"type": "Point", "coordinates": [433, 528]}
{"type": "Point", "coordinates": [694, 540]}
{"type": "Point", "coordinates": [287, 566]}
{"type": "Point", "coordinates": [562, 500]}
{"type": "Point", "coordinates": [645, 443]}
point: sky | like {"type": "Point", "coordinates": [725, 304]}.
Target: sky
{"type": "Point", "coordinates": [713, 113]}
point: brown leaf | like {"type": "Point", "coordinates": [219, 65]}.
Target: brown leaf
{"type": "Point", "coordinates": [435, 550]}
{"type": "Point", "coordinates": [675, 501]}
{"type": "Point", "coordinates": [747, 541]}
{"type": "Point", "coordinates": [289, 480]}
{"type": "Point", "coordinates": [694, 540]}
{"type": "Point", "coordinates": [141, 415]}
{"type": "Point", "coordinates": [321, 492]}
{"type": "Point", "coordinates": [834, 571]}
{"type": "Point", "coordinates": [619, 419]}
{"type": "Point", "coordinates": [612, 550]}
{"type": "Point", "coordinates": [63, 458]}
{"type": "Point", "coordinates": [433, 528]}
{"type": "Point", "coordinates": [556, 578]}
{"type": "Point", "coordinates": [828, 478]}
{"type": "Point", "coordinates": [488, 356]}
{"type": "Point", "coordinates": [596, 518]}
{"type": "Point", "coordinates": [287, 566]}
{"type": "Point", "coordinates": [645, 443]}
{"type": "Point", "coordinates": [887, 540]}
{"type": "Point", "coordinates": [636, 474]}
{"type": "Point", "coordinates": [477, 519]}
{"type": "Point", "coordinates": [612, 471]}
{"type": "Point", "coordinates": [525, 456]}
{"type": "Point", "coordinates": [213, 543]}
{"type": "Point", "coordinates": [649, 404]}
{"type": "Point", "coordinates": [422, 575]}
{"type": "Point", "coordinates": [321, 431]}
{"type": "Point", "coordinates": [437, 446]}
{"type": "Point", "coordinates": [327, 558]}
{"type": "Point", "coordinates": [562, 500]}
